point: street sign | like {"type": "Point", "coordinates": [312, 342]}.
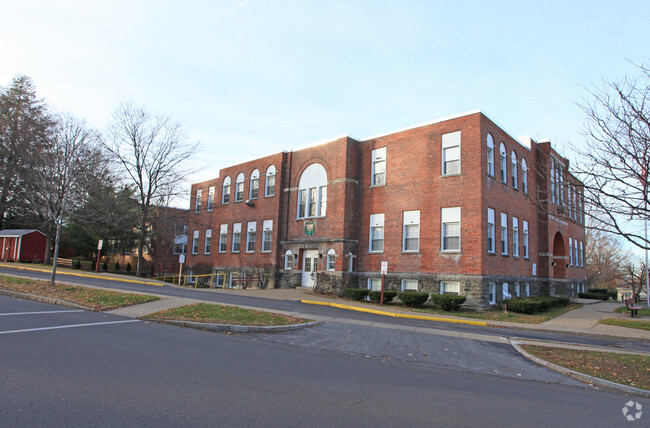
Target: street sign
{"type": "Point", "coordinates": [99, 244]}
{"type": "Point", "coordinates": [181, 258]}
{"type": "Point", "coordinates": [384, 268]}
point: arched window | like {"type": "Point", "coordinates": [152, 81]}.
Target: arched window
{"type": "Point", "coordinates": [269, 188]}
{"type": "Point", "coordinates": [331, 259]}
{"type": "Point", "coordinates": [225, 194]}
{"type": "Point", "coordinates": [255, 185]}
{"type": "Point", "coordinates": [514, 170]}
{"type": "Point", "coordinates": [490, 155]}
{"type": "Point", "coordinates": [239, 188]}
{"type": "Point", "coordinates": [288, 260]}
{"type": "Point", "coordinates": [524, 176]}
{"type": "Point", "coordinates": [504, 162]}
{"type": "Point", "coordinates": [312, 192]}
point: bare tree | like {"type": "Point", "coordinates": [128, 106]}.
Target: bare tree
{"type": "Point", "coordinates": [614, 165]}
{"type": "Point", "coordinates": [58, 172]}
{"type": "Point", "coordinates": [605, 257]}
{"type": "Point", "coordinates": [635, 277]}
{"type": "Point", "coordinates": [152, 153]}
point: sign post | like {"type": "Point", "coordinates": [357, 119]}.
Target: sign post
{"type": "Point", "coordinates": [99, 251]}
{"type": "Point", "coordinates": [384, 271]}
{"type": "Point", "coordinates": [181, 260]}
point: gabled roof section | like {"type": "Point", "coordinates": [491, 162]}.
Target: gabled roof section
{"type": "Point", "coordinates": [18, 232]}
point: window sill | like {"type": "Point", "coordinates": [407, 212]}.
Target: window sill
{"type": "Point", "coordinates": [235, 252]}
{"type": "Point", "coordinates": [222, 252]}
{"type": "Point", "coordinates": [455, 174]}
{"type": "Point", "coordinates": [505, 255]}
{"type": "Point", "coordinates": [411, 252]}
{"type": "Point", "coordinates": [372, 186]}
{"type": "Point", "coordinates": [266, 251]}
{"type": "Point", "coordinates": [269, 196]}
{"type": "Point", "coordinates": [375, 252]}
{"type": "Point", "coordinates": [451, 251]}
{"type": "Point", "coordinates": [311, 218]}
{"type": "Point", "coordinates": [491, 253]}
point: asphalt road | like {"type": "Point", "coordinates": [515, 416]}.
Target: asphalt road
{"type": "Point", "coordinates": [61, 367]}
{"type": "Point", "coordinates": [344, 316]}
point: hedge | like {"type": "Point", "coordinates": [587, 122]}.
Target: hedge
{"type": "Point", "coordinates": [531, 305]}
{"type": "Point", "coordinates": [356, 293]}
{"type": "Point", "coordinates": [448, 302]}
{"type": "Point", "coordinates": [413, 298]}
{"type": "Point", "coordinates": [592, 295]}
{"type": "Point", "coordinates": [389, 295]}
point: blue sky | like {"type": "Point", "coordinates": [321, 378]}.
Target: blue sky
{"type": "Point", "coordinates": [249, 78]}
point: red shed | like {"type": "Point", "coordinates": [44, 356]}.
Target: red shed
{"type": "Point", "coordinates": [25, 245]}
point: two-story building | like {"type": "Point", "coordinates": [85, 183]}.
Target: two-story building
{"type": "Point", "coordinates": [453, 206]}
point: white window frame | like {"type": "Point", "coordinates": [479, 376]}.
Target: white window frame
{"type": "Point", "coordinates": [503, 160]}
{"type": "Point", "coordinates": [211, 192]}
{"type": "Point", "coordinates": [490, 155]}
{"type": "Point", "coordinates": [312, 192]}
{"type": "Point", "coordinates": [527, 289]}
{"type": "Point", "coordinates": [517, 289]}
{"type": "Point", "coordinates": [450, 287]}
{"type": "Point", "coordinates": [376, 233]}
{"type": "Point", "coordinates": [197, 202]}
{"type": "Point", "coordinates": [207, 247]}
{"type": "Point", "coordinates": [407, 285]}
{"type": "Point", "coordinates": [225, 191]}
{"type": "Point", "coordinates": [514, 166]}
{"type": "Point", "coordinates": [582, 254]}
{"type": "Point", "coordinates": [195, 242]}
{"type": "Point", "coordinates": [374, 284]}
{"type": "Point", "coordinates": [378, 173]}
{"type": "Point", "coordinates": [251, 236]}
{"type": "Point", "coordinates": [492, 293]}
{"type": "Point", "coordinates": [491, 231]}
{"type": "Point", "coordinates": [570, 252]}
{"type": "Point", "coordinates": [269, 186]}
{"type": "Point", "coordinates": [267, 236]}
{"type": "Point", "coordinates": [239, 187]}
{"type": "Point", "coordinates": [450, 220]}
{"type": "Point", "coordinates": [288, 260]}
{"type": "Point", "coordinates": [526, 240]}
{"type": "Point", "coordinates": [254, 188]}
{"type": "Point", "coordinates": [524, 176]}
{"type": "Point", "coordinates": [504, 234]}
{"type": "Point", "coordinates": [451, 154]}
{"type": "Point", "coordinates": [331, 259]}
{"type": "Point", "coordinates": [236, 237]}
{"type": "Point", "coordinates": [410, 227]}
{"type": "Point", "coordinates": [223, 238]}
{"type": "Point", "coordinates": [515, 237]}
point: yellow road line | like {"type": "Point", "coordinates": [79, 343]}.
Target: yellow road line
{"type": "Point", "coordinates": [394, 315]}
{"type": "Point", "coordinates": [84, 275]}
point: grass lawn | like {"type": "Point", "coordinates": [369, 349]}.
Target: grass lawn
{"type": "Point", "coordinates": [624, 310]}
{"type": "Point", "coordinates": [626, 369]}
{"type": "Point", "coordinates": [631, 323]}
{"type": "Point", "coordinates": [219, 314]}
{"type": "Point", "coordinates": [95, 299]}
{"type": "Point", "coordinates": [500, 315]}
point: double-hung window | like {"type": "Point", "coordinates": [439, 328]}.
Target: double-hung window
{"type": "Point", "coordinates": [491, 231]}
{"type": "Point", "coordinates": [267, 235]}
{"type": "Point", "coordinates": [374, 284]}
{"type": "Point", "coordinates": [223, 237]}
{"type": "Point", "coordinates": [331, 259]}
{"type": "Point", "coordinates": [225, 194]}
{"type": "Point", "coordinates": [524, 176]}
{"type": "Point", "coordinates": [376, 232]}
{"type": "Point", "coordinates": [197, 202]}
{"type": "Point", "coordinates": [236, 237]}
{"type": "Point", "coordinates": [312, 192]}
{"type": "Point", "coordinates": [250, 236]}
{"type": "Point", "coordinates": [503, 155]}
{"type": "Point", "coordinates": [570, 252]}
{"type": "Point", "coordinates": [208, 241]}
{"type": "Point", "coordinates": [449, 287]}
{"type": "Point", "coordinates": [288, 260]}
{"type": "Point", "coordinates": [195, 242]}
{"type": "Point", "coordinates": [269, 187]}
{"type": "Point", "coordinates": [239, 188]}
{"type": "Point", "coordinates": [490, 155]}
{"type": "Point", "coordinates": [255, 185]}
{"type": "Point", "coordinates": [515, 236]}
{"type": "Point", "coordinates": [526, 243]}
{"type": "Point", "coordinates": [504, 233]}
{"type": "Point", "coordinates": [411, 231]}
{"type": "Point", "coordinates": [515, 184]}
{"type": "Point", "coordinates": [378, 167]}
{"type": "Point", "coordinates": [409, 285]}
{"type": "Point", "coordinates": [450, 229]}
{"type": "Point", "coordinates": [451, 153]}
{"type": "Point", "coordinates": [211, 198]}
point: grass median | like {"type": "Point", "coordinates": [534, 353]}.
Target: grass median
{"type": "Point", "coordinates": [626, 369]}
{"type": "Point", "coordinates": [93, 298]}
{"type": "Point", "coordinates": [631, 323]}
{"type": "Point", "coordinates": [219, 314]}
{"type": "Point", "coordinates": [509, 316]}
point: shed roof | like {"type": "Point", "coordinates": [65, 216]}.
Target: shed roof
{"type": "Point", "coordinates": [18, 232]}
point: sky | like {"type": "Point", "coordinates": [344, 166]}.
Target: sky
{"type": "Point", "coordinates": [247, 78]}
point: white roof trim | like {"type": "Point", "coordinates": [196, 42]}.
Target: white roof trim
{"type": "Point", "coordinates": [456, 116]}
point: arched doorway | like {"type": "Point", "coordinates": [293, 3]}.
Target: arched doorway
{"type": "Point", "coordinates": [559, 256]}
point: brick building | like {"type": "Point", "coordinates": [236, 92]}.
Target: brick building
{"type": "Point", "coordinates": [453, 206]}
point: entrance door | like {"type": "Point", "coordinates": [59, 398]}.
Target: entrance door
{"type": "Point", "coordinates": [309, 266]}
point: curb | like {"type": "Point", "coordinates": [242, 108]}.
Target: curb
{"type": "Point", "coordinates": [394, 315]}
{"type": "Point", "coordinates": [235, 328]}
{"type": "Point", "coordinates": [43, 299]}
{"type": "Point", "coordinates": [85, 275]}
{"type": "Point", "coordinates": [533, 327]}
{"type": "Point", "coordinates": [591, 380]}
